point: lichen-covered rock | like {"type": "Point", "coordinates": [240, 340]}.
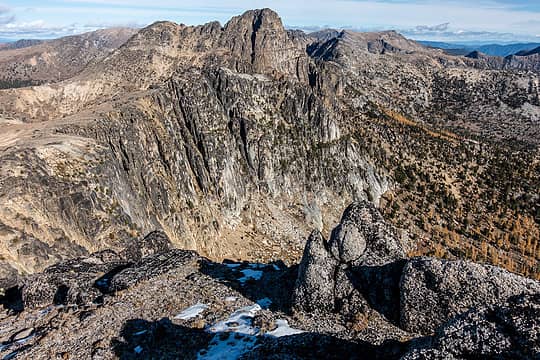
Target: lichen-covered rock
{"type": "Point", "coordinates": [433, 290]}
{"type": "Point", "coordinates": [364, 238]}
{"type": "Point", "coordinates": [154, 243]}
{"type": "Point", "coordinates": [348, 242]}
{"type": "Point", "coordinates": [428, 354]}
{"type": "Point", "coordinates": [363, 267]}
{"type": "Point", "coordinates": [152, 266]}
{"type": "Point", "coordinates": [85, 280]}
{"type": "Point", "coordinates": [314, 288]}
{"type": "Point", "coordinates": [358, 265]}
{"type": "Point", "coordinates": [509, 330]}
{"type": "Point", "coordinates": [78, 281]}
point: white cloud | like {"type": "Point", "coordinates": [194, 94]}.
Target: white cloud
{"type": "Point", "coordinates": [449, 18]}
{"type": "Point", "coordinates": [5, 16]}
{"type": "Point", "coordinates": [445, 32]}
{"type": "Point", "coordinates": [432, 28]}
{"type": "Point", "coordinates": [40, 29]}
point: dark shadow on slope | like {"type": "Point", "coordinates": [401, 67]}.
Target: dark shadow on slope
{"type": "Point", "coordinates": [379, 285]}
{"type": "Point", "coordinates": [103, 283]}
{"type": "Point", "coordinates": [276, 280]}
{"type": "Point", "coordinates": [141, 339]}
{"type": "Point", "coordinates": [12, 299]}
{"type": "Point", "coordinates": [61, 295]}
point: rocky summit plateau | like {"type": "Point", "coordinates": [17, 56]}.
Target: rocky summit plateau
{"type": "Point", "coordinates": [245, 191]}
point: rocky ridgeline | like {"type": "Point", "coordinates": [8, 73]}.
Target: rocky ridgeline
{"type": "Point", "coordinates": [33, 62]}
{"type": "Point", "coordinates": [353, 296]}
{"type": "Point", "coordinates": [527, 61]}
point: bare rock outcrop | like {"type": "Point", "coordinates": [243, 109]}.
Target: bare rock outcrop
{"type": "Point", "coordinates": [154, 243]}
{"type": "Point", "coordinates": [85, 279]}
{"type": "Point", "coordinates": [151, 266]}
{"type": "Point", "coordinates": [508, 330]}
{"type": "Point", "coordinates": [326, 278]}
{"type": "Point", "coordinates": [77, 281]}
{"type": "Point", "coordinates": [314, 289]}
{"type": "Point", "coordinates": [363, 267]}
{"type": "Point", "coordinates": [433, 290]}
{"type": "Point", "coordinates": [364, 238]}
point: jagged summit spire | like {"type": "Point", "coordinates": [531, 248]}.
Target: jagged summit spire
{"type": "Point", "coordinates": [259, 37]}
{"type": "Point", "coordinates": [257, 19]}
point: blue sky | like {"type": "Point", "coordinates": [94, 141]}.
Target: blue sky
{"type": "Point", "coordinates": [456, 20]}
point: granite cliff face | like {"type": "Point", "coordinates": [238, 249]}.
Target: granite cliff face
{"type": "Point", "coordinates": [237, 140]}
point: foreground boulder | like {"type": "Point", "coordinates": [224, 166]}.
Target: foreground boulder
{"type": "Point", "coordinates": [151, 266]}
{"type": "Point", "coordinates": [502, 331]}
{"type": "Point", "coordinates": [85, 280]}
{"type": "Point", "coordinates": [155, 242]}
{"type": "Point", "coordinates": [363, 268]}
{"type": "Point", "coordinates": [433, 290]}
{"type": "Point", "coordinates": [74, 281]}
{"type": "Point", "coordinates": [364, 238]}
{"type": "Point", "coordinates": [314, 288]}
{"type": "Point", "coordinates": [360, 243]}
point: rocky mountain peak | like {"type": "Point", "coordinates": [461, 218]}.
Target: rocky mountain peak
{"type": "Point", "coordinates": [254, 42]}
{"type": "Point", "coordinates": [348, 46]}
{"type": "Point", "coordinates": [259, 38]}
{"type": "Point", "coordinates": [259, 20]}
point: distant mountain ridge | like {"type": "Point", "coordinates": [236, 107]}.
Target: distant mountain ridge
{"type": "Point", "coordinates": [524, 60]}
{"type": "Point", "coordinates": [489, 49]}
{"type": "Point", "coordinates": [33, 62]}
{"type": "Point", "coordinates": [534, 51]}
{"type": "Point", "coordinates": [20, 44]}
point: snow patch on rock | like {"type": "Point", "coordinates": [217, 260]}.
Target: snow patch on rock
{"type": "Point", "coordinates": [283, 329]}
{"type": "Point", "coordinates": [192, 311]}
{"type": "Point", "coordinates": [234, 336]}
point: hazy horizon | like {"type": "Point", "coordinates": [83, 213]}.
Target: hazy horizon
{"type": "Point", "coordinates": [458, 21]}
